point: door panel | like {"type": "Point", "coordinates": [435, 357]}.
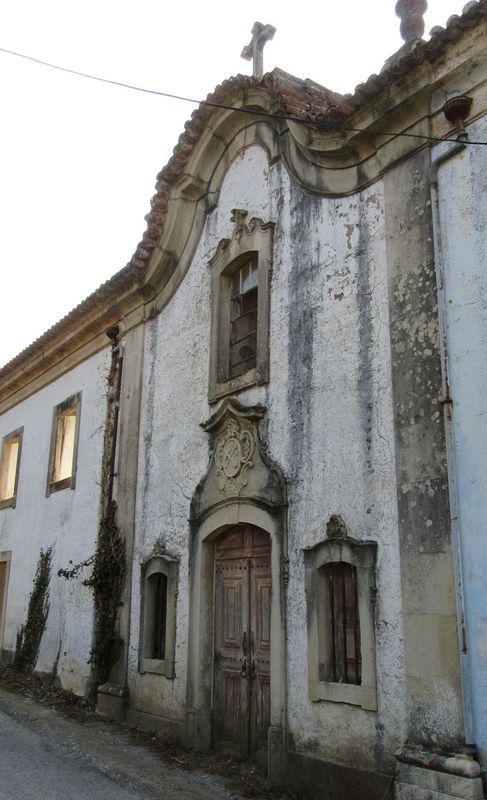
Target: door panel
{"type": "Point", "coordinates": [230, 691]}
{"type": "Point", "coordinates": [260, 664]}
{"type": "Point", "coordinates": [241, 701]}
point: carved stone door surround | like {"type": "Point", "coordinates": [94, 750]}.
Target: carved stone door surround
{"type": "Point", "coordinates": [241, 487]}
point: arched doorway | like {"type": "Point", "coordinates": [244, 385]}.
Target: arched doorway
{"type": "Point", "coordinates": [250, 503]}
{"type": "Point", "coordinates": [242, 642]}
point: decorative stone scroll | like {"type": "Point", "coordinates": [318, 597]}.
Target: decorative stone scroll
{"type": "Point", "coordinates": [239, 470]}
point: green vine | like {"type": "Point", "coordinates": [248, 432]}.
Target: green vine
{"type": "Point", "coordinates": [29, 635]}
{"type": "Point", "coordinates": [107, 579]}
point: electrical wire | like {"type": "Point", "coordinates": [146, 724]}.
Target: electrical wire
{"type": "Point", "coordinates": [330, 126]}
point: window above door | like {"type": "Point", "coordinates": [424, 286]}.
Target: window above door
{"type": "Point", "coordinates": [240, 296]}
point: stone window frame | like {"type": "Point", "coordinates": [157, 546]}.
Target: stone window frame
{"type": "Point", "coordinates": [168, 566]}
{"type": "Point", "coordinates": [17, 435]}
{"type": "Point", "coordinates": [72, 403]}
{"type": "Point", "coordinates": [249, 240]}
{"type": "Point", "coordinates": [362, 555]}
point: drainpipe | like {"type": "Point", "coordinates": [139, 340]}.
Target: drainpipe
{"type": "Point", "coordinates": [117, 353]}
{"type": "Point", "coordinates": [456, 110]}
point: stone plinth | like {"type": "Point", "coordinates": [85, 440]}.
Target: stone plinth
{"type": "Point", "coordinates": [112, 701]}
{"type": "Point", "coordinates": [430, 776]}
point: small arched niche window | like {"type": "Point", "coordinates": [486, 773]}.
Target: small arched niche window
{"type": "Point", "coordinates": [159, 578]}
{"type": "Point", "coordinates": [340, 595]}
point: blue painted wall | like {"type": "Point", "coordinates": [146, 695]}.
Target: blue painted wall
{"type": "Point", "coordinates": [462, 188]}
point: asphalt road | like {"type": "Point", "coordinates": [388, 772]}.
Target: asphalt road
{"type": "Point", "coordinates": [45, 756]}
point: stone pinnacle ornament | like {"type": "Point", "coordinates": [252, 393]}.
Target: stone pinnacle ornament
{"type": "Point", "coordinates": [411, 13]}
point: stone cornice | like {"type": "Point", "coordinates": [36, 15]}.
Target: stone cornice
{"type": "Point", "coordinates": [406, 97]}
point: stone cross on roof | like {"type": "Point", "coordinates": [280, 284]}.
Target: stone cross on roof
{"type": "Point", "coordinates": [411, 13]}
{"type": "Point", "coordinates": [255, 50]}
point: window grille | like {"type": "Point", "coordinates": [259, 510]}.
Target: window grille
{"type": "Point", "coordinates": [243, 319]}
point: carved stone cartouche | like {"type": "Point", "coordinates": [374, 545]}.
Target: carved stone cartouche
{"type": "Point", "coordinates": [239, 470]}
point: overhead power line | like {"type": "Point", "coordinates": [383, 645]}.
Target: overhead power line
{"type": "Point", "coordinates": [329, 126]}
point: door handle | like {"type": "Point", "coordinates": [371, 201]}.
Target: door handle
{"type": "Point", "coordinates": [243, 668]}
{"type": "Point", "coordinates": [253, 671]}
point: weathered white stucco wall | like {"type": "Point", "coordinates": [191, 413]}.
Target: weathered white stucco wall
{"type": "Point", "coordinates": [328, 425]}
{"type": "Point", "coordinates": [67, 520]}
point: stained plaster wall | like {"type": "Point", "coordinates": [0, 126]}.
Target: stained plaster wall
{"type": "Point", "coordinates": [462, 190]}
{"type": "Point", "coordinates": [328, 425]}
{"type": "Point", "coordinates": [427, 580]}
{"type": "Point", "coordinates": [67, 520]}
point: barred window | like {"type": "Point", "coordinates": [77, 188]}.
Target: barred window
{"type": "Point", "coordinates": [240, 307]}
{"type": "Point", "coordinates": [243, 319]}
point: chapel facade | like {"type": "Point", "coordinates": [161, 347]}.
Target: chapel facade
{"type": "Point", "coordinates": [274, 416]}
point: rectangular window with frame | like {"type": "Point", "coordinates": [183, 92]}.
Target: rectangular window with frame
{"type": "Point", "coordinates": [64, 444]}
{"type": "Point", "coordinates": [9, 468]}
{"type": "Point", "coordinates": [240, 303]}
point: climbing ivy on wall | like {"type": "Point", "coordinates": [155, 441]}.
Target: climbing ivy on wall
{"type": "Point", "coordinates": [30, 634]}
{"type": "Point", "coordinates": [107, 579]}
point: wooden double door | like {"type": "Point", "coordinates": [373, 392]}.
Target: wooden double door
{"type": "Point", "coordinates": [241, 690]}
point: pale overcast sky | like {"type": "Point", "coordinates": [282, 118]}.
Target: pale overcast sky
{"type": "Point", "coordinates": [79, 159]}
